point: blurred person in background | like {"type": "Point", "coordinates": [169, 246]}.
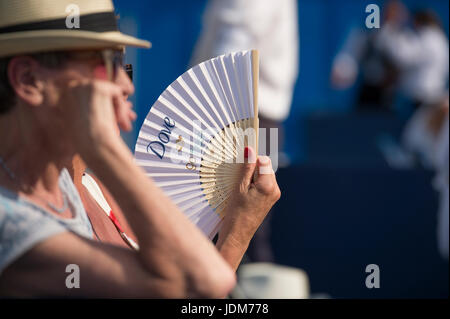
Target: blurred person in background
{"type": "Point", "coordinates": [421, 57]}
{"type": "Point", "coordinates": [363, 53]}
{"type": "Point", "coordinates": [442, 185]}
{"type": "Point", "coordinates": [272, 28]}
{"type": "Point", "coordinates": [422, 132]}
{"type": "Point", "coordinates": [426, 135]}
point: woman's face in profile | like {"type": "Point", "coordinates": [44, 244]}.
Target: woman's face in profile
{"type": "Point", "coordinates": [55, 80]}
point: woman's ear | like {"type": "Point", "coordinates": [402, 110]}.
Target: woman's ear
{"type": "Point", "coordinates": [23, 75]}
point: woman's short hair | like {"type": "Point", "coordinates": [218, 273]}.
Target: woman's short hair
{"type": "Point", "coordinates": [7, 94]}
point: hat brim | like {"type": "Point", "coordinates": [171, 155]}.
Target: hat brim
{"type": "Point", "coordinates": [57, 40]}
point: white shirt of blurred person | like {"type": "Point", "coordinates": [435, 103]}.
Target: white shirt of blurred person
{"type": "Point", "coordinates": [361, 53]}
{"type": "Point", "coordinates": [422, 57]}
{"type": "Point", "coordinates": [266, 25]}
{"type": "Point", "coordinates": [427, 135]}
{"type": "Point", "coordinates": [441, 183]}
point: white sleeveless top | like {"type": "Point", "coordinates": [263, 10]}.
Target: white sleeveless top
{"type": "Point", "coordinates": [24, 224]}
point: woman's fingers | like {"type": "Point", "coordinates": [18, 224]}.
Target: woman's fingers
{"type": "Point", "coordinates": [121, 110]}
{"type": "Point", "coordinates": [264, 165]}
{"type": "Point", "coordinates": [264, 180]}
{"type": "Point", "coordinates": [247, 169]}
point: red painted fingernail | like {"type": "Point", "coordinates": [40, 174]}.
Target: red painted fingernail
{"type": "Point", "coordinates": [246, 152]}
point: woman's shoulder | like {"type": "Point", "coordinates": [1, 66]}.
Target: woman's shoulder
{"type": "Point", "coordinates": [23, 224]}
{"type": "Point", "coordinates": [21, 227]}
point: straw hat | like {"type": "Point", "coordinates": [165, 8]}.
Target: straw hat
{"type": "Point", "coordinates": [30, 26]}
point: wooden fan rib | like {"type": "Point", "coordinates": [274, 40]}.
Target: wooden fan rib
{"type": "Point", "coordinates": [254, 83]}
{"type": "Point", "coordinates": [198, 185]}
{"type": "Point", "coordinates": [210, 187]}
{"type": "Point", "coordinates": [238, 139]}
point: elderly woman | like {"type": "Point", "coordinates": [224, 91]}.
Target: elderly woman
{"type": "Point", "coordinates": [56, 104]}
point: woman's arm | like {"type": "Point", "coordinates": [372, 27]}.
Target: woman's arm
{"type": "Point", "coordinates": [175, 259]}
{"type": "Point", "coordinates": [170, 244]}
{"type": "Point", "coordinates": [251, 202]}
{"type": "Point", "coordinates": [105, 271]}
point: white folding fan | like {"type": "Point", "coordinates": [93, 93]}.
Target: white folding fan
{"type": "Point", "coordinates": [193, 138]}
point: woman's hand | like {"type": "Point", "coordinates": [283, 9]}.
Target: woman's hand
{"type": "Point", "coordinates": [249, 205]}
{"type": "Point", "coordinates": [92, 112]}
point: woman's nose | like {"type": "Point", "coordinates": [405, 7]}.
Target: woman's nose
{"type": "Point", "coordinates": [123, 80]}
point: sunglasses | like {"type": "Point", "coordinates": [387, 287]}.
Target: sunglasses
{"type": "Point", "coordinates": [113, 60]}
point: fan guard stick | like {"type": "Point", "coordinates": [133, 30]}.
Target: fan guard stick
{"type": "Point", "coordinates": [255, 71]}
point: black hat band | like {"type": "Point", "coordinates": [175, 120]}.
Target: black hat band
{"type": "Point", "coordinates": [97, 22]}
